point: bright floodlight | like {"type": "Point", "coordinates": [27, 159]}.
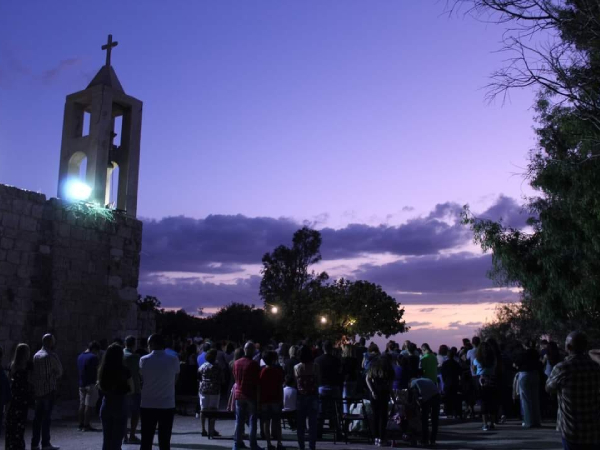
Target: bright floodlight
{"type": "Point", "coordinates": [323, 319]}
{"type": "Point", "coordinates": [274, 309]}
{"type": "Point", "coordinates": [77, 190]}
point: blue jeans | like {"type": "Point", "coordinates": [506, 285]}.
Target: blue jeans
{"type": "Point", "coordinates": [573, 446]}
{"type": "Point", "coordinates": [41, 420]}
{"type": "Point", "coordinates": [307, 406]}
{"type": "Point", "coordinates": [243, 410]}
{"type": "Point", "coordinates": [349, 391]}
{"type": "Point", "coordinates": [328, 398]}
{"type": "Point", "coordinates": [113, 413]}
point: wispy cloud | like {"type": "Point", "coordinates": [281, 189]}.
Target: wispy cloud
{"type": "Point", "coordinates": [50, 75]}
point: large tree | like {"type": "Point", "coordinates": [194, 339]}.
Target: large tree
{"type": "Point", "coordinates": [307, 305]}
{"type": "Point", "coordinates": [557, 261]}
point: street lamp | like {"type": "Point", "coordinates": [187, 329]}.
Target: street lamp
{"type": "Point", "coordinates": [323, 320]}
{"type": "Point", "coordinates": [274, 309]}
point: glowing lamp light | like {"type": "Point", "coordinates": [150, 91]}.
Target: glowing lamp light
{"type": "Point", "coordinates": [274, 310]}
{"type": "Point", "coordinates": [323, 319]}
{"type": "Point", "coordinates": [77, 190]}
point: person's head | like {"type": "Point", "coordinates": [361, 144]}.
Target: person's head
{"type": "Point", "coordinates": [493, 346]}
{"type": "Point", "coordinates": [327, 347]}
{"type": "Point", "coordinates": [156, 342]}
{"type": "Point", "coordinates": [48, 342]}
{"type": "Point", "coordinates": [294, 351]}
{"type": "Point", "coordinates": [130, 342]}
{"type": "Point", "coordinates": [191, 350]}
{"type": "Point", "coordinates": [238, 353]}
{"type": "Point", "coordinates": [305, 354]}
{"type": "Point", "coordinates": [405, 345]}
{"type": "Point", "coordinates": [576, 343]}
{"type": "Point", "coordinates": [544, 344]}
{"type": "Point", "coordinates": [452, 352]}
{"type": "Point", "coordinates": [229, 349]}
{"type": "Point", "coordinates": [249, 349]}
{"type": "Point", "coordinates": [211, 356]}
{"type": "Point", "coordinates": [110, 367]}
{"type": "Point", "coordinates": [443, 350]}
{"type": "Point", "coordinates": [290, 381]}
{"type": "Point", "coordinates": [269, 357]}
{"type": "Point", "coordinates": [381, 368]}
{"type": "Point", "coordinates": [362, 341]}
{"type": "Point", "coordinates": [412, 347]}
{"type": "Point", "coordinates": [20, 358]}
{"type": "Point", "coordinates": [476, 340]}
{"type": "Point", "coordinates": [373, 348]}
{"type": "Point", "coordinates": [425, 348]}
{"type": "Point", "coordinates": [94, 347]}
{"type": "Point", "coordinates": [466, 342]}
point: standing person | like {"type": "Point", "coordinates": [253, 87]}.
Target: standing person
{"type": "Point", "coordinates": [485, 370]}
{"type": "Point", "coordinates": [87, 365]}
{"type": "Point", "coordinates": [329, 385]}
{"type": "Point", "coordinates": [4, 389]}
{"type": "Point", "coordinates": [211, 378]}
{"type": "Point", "coordinates": [307, 378]}
{"type": "Point", "coordinates": [131, 360]}
{"type": "Point", "coordinates": [47, 369]}
{"type": "Point", "coordinates": [429, 397]}
{"type": "Point", "coordinates": [476, 341]}
{"type": "Point", "coordinates": [246, 373]}
{"type": "Point", "coordinates": [271, 398]}
{"type": "Point", "coordinates": [350, 369]}
{"type": "Point", "coordinates": [292, 360]}
{"type": "Point", "coordinates": [576, 380]}
{"type": "Point", "coordinates": [429, 364]}
{"type": "Point", "coordinates": [528, 366]}
{"type": "Point", "coordinates": [380, 377]}
{"type": "Point", "coordinates": [159, 373]}
{"type": "Point", "coordinates": [16, 414]}
{"type": "Point", "coordinates": [451, 373]}
{"type": "Point", "coordinates": [114, 380]}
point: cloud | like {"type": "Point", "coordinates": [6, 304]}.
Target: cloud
{"type": "Point", "coordinates": [408, 208]}
{"type": "Point", "coordinates": [418, 324]}
{"type": "Point", "coordinates": [473, 324]}
{"type": "Point", "coordinates": [427, 310]}
{"type": "Point", "coordinates": [456, 324]}
{"type": "Point", "coordinates": [51, 74]}
{"type": "Point", "coordinates": [512, 214]}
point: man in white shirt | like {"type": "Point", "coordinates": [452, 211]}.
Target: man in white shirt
{"type": "Point", "coordinates": [159, 372]}
{"type": "Point", "coordinates": [471, 354]}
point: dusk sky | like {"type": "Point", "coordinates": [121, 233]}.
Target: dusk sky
{"type": "Point", "coordinates": [366, 120]}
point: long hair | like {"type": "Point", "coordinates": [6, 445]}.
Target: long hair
{"type": "Point", "coordinates": [20, 358]}
{"type": "Point", "coordinates": [485, 355]}
{"type": "Point", "coordinates": [381, 368]}
{"type": "Point", "coordinates": [111, 368]}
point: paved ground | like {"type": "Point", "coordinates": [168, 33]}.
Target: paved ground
{"type": "Point", "coordinates": [452, 436]}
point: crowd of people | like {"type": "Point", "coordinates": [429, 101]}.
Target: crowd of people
{"type": "Point", "coordinates": [401, 389]}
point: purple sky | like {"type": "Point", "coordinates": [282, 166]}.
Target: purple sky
{"type": "Point", "coordinates": [357, 117]}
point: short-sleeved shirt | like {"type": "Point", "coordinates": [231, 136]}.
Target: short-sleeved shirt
{"type": "Point", "coordinates": [429, 366]}
{"type": "Point", "coordinates": [246, 373]}
{"type": "Point", "coordinates": [132, 362]}
{"type": "Point", "coordinates": [211, 378]}
{"type": "Point", "coordinates": [307, 377]}
{"type": "Point", "coordinates": [87, 365]}
{"type": "Point", "coordinates": [427, 389]}
{"type": "Point", "coordinates": [577, 382]}
{"type": "Point", "coordinates": [47, 369]}
{"type": "Point", "coordinates": [271, 385]}
{"type": "Point", "coordinates": [471, 358]}
{"type": "Point", "coordinates": [159, 371]}
{"type": "Point", "coordinates": [290, 398]}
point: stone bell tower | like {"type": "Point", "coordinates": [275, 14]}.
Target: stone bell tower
{"type": "Point", "coordinates": [103, 103]}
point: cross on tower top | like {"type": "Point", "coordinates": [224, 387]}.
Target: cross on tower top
{"type": "Point", "coordinates": [108, 47]}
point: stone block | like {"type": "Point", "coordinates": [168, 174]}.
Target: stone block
{"type": "Point", "coordinates": [2, 255]}
{"type": "Point", "coordinates": [116, 253]}
{"type": "Point", "coordinates": [37, 211]}
{"type": "Point", "coordinates": [7, 268]}
{"type": "Point", "coordinates": [45, 249]}
{"type": "Point", "coordinates": [24, 246]}
{"type": "Point", "coordinates": [21, 207]}
{"type": "Point", "coordinates": [115, 281]}
{"type": "Point", "coordinates": [6, 243]}
{"type": "Point", "coordinates": [128, 294]}
{"type": "Point", "coordinates": [64, 230]}
{"type": "Point", "coordinates": [14, 257]}
{"type": "Point", "coordinates": [28, 223]}
{"type": "Point", "coordinates": [10, 220]}
{"type": "Point", "coordinates": [116, 242]}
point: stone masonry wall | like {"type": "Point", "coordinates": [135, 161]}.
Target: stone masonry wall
{"type": "Point", "coordinates": [66, 273]}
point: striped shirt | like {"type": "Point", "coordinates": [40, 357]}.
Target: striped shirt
{"type": "Point", "coordinates": [577, 382]}
{"type": "Point", "coordinates": [47, 369]}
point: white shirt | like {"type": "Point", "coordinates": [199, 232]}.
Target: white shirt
{"type": "Point", "coordinates": [471, 358]}
{"type": "Point", "coordinates": [289, 398]}
{"type": "Point", "coordinates": [159, 372]}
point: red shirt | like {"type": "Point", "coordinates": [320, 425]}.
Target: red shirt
{"type": "Point", "coordinates": [246, 374]}
{"type": "Point", "coordinates": [271, 385]}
